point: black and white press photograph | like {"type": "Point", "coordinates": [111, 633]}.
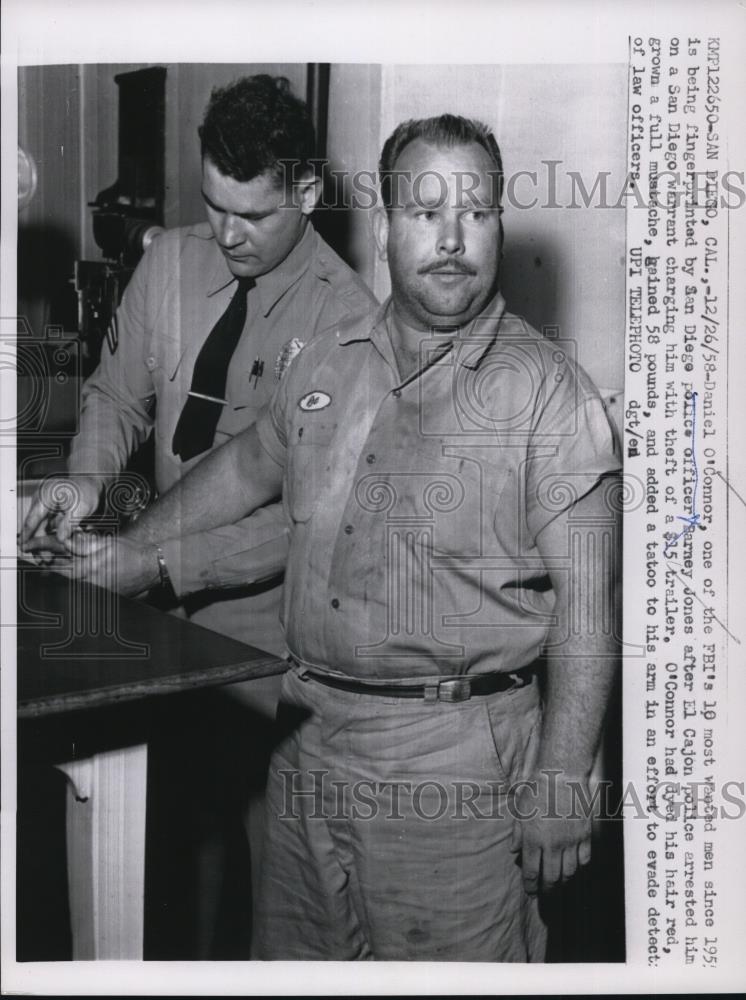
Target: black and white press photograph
{"type": "Point", "coordinates": [367, 580]}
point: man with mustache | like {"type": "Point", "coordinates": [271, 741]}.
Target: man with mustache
{"type": "Point", "coordinates": [446, 472]}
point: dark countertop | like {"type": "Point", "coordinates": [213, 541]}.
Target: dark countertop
{"type": "Point", "coordinates": [82, 647]}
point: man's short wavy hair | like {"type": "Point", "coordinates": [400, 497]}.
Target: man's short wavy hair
{"type": "Point", "coordinates": [256, 125]}
{"type": "Point", "coordinates": [443, 130]}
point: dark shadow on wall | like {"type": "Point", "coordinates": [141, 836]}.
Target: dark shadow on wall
{"type": "Point", "coordinates": [48, 378]}
{"type": "Point", "coordinates": [332, 219]}
{"type": "Point", "coordinates": [46, 260]}
{"type": "Point", "coordinates": [43, 932]}
{"type": "Point", "coordinates": [333, 225]}
{"type": "Point", "coordinates": [207, 756]}
{"type": "Point", "coordinates": [529, 280]}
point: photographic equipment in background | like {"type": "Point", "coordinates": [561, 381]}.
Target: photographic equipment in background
{"type": "Point", "coordinates": [128, 215]}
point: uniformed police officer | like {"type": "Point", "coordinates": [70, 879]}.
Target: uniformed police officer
{"type": "Point", "coordinates": [259, 190]}
{"type": "Point", "coordinates": [208, 324]}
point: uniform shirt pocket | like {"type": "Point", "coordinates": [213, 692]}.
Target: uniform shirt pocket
{"type": "Point", "coordinates": [455, 500]}
{"type": "Point", "coordinates": [163, 359]}
{"type": "Point", "coordinates": [309, 466]}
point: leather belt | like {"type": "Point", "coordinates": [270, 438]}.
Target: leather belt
{"type": "Point", "coordinates": [450, 689]}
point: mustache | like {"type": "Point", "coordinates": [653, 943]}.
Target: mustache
{"type": "Point", "coordinates": [450, 266]}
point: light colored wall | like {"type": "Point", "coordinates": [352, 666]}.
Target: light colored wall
{"type": "Point", "coordinates": [353, 143]}
{"type": "Point", "coordinates": [563, 267]}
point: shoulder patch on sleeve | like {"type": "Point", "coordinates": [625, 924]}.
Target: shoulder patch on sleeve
{"type": "Point", "coordinates": [112, 334]}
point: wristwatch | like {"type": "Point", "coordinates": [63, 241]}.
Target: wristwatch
{"type": "Point", "coordinates": [165, 577]}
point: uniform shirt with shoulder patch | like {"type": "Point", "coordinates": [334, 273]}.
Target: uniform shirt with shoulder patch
{"type": "Point", "coordinates": [178, 292]}
{"type": "Point", "coordinates": [416, 503]}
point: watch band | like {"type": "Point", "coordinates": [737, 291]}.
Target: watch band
{"type": "Point", "coordinates": [165, 578]}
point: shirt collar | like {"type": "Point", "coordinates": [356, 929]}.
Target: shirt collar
{"type": "Point", "coordinates": [272, 286]}
{"type": "Point", "coordinates": [478, 336]}
{"type": "Point", "coordinates": [474, 339]}
{"type": "Point", "coordinates": [379, 323]}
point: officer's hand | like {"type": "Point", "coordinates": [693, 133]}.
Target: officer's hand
{"type": "Point", "coordinates": [551, 829]}
{"type": "Point", "coordinates": [60, 503]}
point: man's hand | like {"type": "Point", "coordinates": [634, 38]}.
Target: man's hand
{"type": "Point", "coordinates": [110, 562]}
{"type": "Point", "coordinates": [58, 506]}
{"type": "Point", "coordinates": [551, 829]}
{"type": "Point", "coordinates": [554, 837]}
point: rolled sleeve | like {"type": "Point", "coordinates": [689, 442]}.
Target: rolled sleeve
{"type": "Point", "coordinates": [250, 551]}
{"type": "Point", "coordinates": [567, 464]}
{"type": "Point", "coordinates": [272, 423]}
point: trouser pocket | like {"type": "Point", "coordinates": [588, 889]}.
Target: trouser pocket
{"type": "Point", "coordinates": [513, 723]}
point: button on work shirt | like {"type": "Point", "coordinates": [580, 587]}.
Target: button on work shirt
{"type": "Point", "coordinates": [416, 504]}
{"type": "Point", "coordinates": [180, 289]}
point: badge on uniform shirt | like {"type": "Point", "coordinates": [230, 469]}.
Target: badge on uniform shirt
{"type": "Point", "coordinates": [314, 401]}
{"type": "Point", "coordinates": [286, 355]}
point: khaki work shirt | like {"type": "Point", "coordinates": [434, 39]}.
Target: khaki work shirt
{"type": "Point", "coordinates": [416, 504]}
{"type": "Point", "coordinates": [179, 290]}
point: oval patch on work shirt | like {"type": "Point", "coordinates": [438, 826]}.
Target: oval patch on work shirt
{"type": "Point", "coordinates": [315, 401]}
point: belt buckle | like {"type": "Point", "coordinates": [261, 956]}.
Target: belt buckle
{"type": "Point", "coordinates": [454, 690]}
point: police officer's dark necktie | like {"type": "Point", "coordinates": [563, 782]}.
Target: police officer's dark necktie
{"type": "Point", "coordinates": [195, 431]}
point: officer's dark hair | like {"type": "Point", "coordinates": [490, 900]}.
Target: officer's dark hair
{"type": "Point", "coordinates": [444, 130]}
{"type": "Point", "coordinates": [255, 125]}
